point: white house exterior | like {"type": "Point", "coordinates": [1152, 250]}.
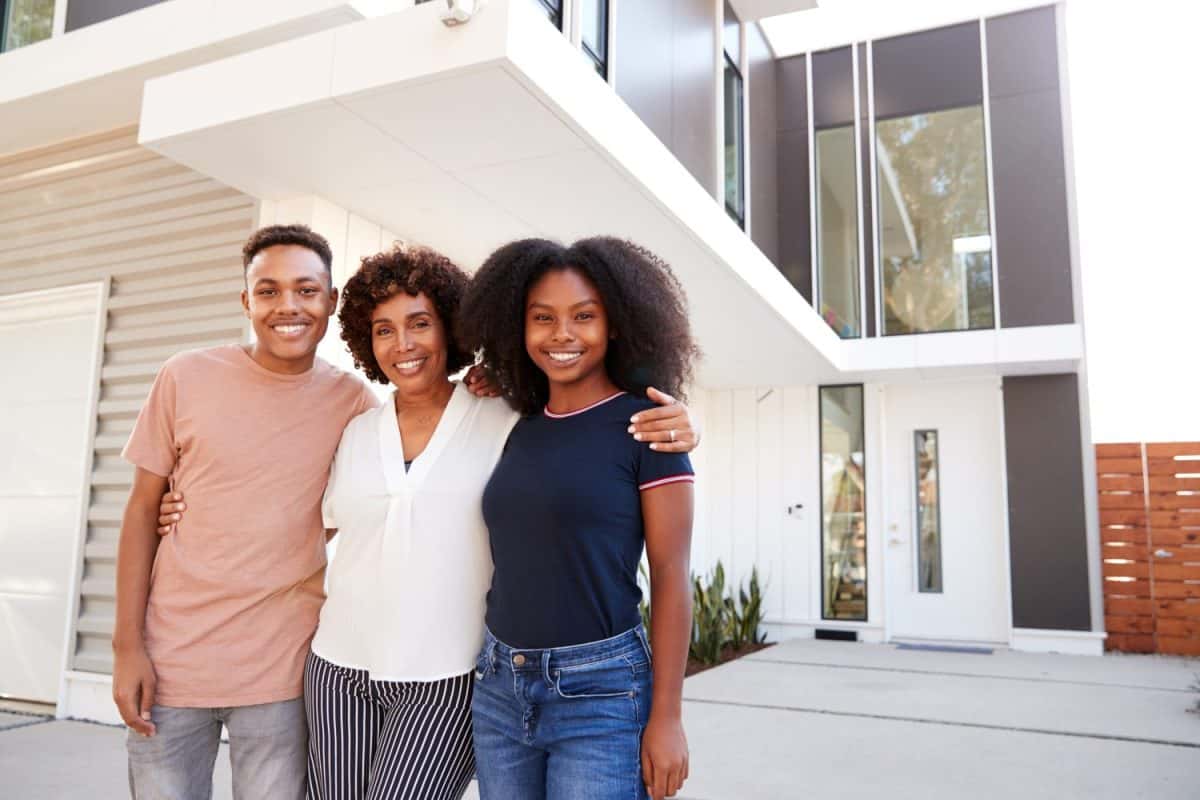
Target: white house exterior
{"type": "Point", "coordinates": [875, 232]}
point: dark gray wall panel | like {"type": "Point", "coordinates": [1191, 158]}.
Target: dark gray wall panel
{"type": "Point", "coordinates": [694, 111]}
{"type": "Point", "coordinates": [791, 75]}
{"type": "Point", "coordinates": [666, 64]}
{"type": "Point", "coordinates": [1022, 52]}
{"type": "Point", "coordinates": [833, 88]}
{"type": "Point", "coordinates": [1033, 248]}
{"type": "Point", "coordinates": [1046, 523]}
{"type": "Point", "coordinates": [928, 71]}
{"type": "Point", "coordinates": [644, 64]}
{"type": "Point", "coordinates": [88, 12]}
{"type": "Point", "coordinates": [763, 136]}
{"type": "Point", "coordinates": [795, 243]}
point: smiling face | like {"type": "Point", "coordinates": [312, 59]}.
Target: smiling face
{"type": "Point", "coordinates": [288, 299]}
{"type": "Point", "coordinates": [566, 328]}
{"type": "Point", "coordinates": [409, 343]}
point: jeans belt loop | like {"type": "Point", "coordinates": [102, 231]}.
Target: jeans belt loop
{"type": "Point", "coordinates": [546, 668]}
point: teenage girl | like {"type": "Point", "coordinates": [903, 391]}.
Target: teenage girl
{"type": "Point", "coordinates": [568, 702]}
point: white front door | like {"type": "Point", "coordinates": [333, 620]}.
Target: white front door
{"type": "Point", "coordinates": [48, 345]}
{"type": "Point", "coordinates": [944, 533]}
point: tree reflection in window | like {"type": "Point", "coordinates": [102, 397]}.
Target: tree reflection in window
{"type": "Point", "coordinates": [934, 228]}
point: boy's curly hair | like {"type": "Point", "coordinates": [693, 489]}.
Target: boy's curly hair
{"type": "Point", "coordinates": [642, 298]}
{"type": "Point", "coordinates": [411, 270]}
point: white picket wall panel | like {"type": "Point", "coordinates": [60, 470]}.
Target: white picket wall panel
{"type": "Point", "coordinates": [759, 456]}
{"type": "Point", "coordinates": [170, 241]}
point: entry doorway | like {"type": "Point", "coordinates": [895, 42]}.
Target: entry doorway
{"type": "Point", "coordinates": [49, 343]}
{"type": "Point", "coordinates": [945, 543]}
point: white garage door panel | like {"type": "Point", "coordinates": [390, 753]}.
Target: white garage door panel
{"type": "Point", "coordinates": [48, 437]}
{"type": "Point", "coordinates": [36, 621]}
{"type": "Point", "coordinates": [51, 339]}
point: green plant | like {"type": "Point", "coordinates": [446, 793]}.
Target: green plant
{"type": "Point", "coordinates": [710, 615]}
{"type": "Point", "coordinates": [718, 619]}
{"type": "Point", "coordinates": [747, 616]}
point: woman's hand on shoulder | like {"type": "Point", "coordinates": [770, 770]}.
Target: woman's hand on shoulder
{"type": "Point", "coordinates": [669, 428]}
{"type": "Point", "coordinates": [480, 383]}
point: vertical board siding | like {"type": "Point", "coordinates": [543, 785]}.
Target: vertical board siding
{"type": "Point", "coordinates": [760, 457]}
{"type": "Point", "coordinates": [170, 240]}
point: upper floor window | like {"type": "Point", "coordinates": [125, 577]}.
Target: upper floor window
{"type": "Point", "coordinates": [835, 158]}
{"type": "Point", "coordinates": [594, 33]}
{"type": "Point", "coordinates": [25, 22]}
{"type": "Point", "coordinates": [934, 229]}
{"type": "Point", "coordinates": [735, 133]}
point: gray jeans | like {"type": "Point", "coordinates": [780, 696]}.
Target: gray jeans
{"type": "Point", "coordinates": [268, 749]}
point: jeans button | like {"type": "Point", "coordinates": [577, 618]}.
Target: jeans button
{"type": "Point", "coordinates": [518, 660]}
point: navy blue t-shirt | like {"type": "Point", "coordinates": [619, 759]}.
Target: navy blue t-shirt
{"type": "Point", "coordinates": [564, 516]}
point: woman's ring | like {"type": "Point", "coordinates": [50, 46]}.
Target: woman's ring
{"type": "Point", "coordinates": [672, 432]}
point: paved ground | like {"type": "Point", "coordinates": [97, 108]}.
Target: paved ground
{"type": "Point", "coordinates": [835, 720]}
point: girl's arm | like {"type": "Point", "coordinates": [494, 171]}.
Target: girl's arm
{"type": "Point", "coordinates": [667, 518]}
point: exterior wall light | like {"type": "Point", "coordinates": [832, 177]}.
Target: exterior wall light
{"type": "Point", "coordinates": [460, 11]}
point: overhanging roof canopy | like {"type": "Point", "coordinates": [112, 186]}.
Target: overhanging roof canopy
{"type": "Point", "coordinates": [465, 138]}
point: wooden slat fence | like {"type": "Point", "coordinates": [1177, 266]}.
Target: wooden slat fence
{"type": "Point", "coordinates": [1150, 543]}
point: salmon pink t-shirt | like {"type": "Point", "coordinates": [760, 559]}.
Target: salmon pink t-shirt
{"type": "Point", "coordinates": [236, 590]}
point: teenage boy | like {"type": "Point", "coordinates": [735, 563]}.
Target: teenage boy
{"type": "Point", "coordinates": [213, 623]}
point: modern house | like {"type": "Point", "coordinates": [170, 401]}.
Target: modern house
{"type": "Point", "coordinates": [873, 219]}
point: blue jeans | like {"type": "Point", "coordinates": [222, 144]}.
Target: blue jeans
{"type": "Point", "coordinates": [268, 748]}
{"type": "Point", "coordinates": [563, 723]}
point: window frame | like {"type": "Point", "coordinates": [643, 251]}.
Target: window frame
{"type": "Point", "coordinates": [599, 61]}
{"type": "Point", "coordinates": [738, 215]}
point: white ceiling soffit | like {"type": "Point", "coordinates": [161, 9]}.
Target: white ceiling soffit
{"type": "Point", "coordinates": [839, 22]}
{"type": "Point", "coordinates": [91, 79]}
{"type": "Point", "coordinates": [465, 138]}
{"type": "Point", "coordinates": [751, 10]}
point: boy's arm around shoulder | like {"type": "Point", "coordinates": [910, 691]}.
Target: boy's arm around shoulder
{"type": "Point", "coordinates": [134, 680]}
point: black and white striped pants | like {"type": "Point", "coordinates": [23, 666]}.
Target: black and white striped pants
{"type": "Point", "coordinates": [370, 740]}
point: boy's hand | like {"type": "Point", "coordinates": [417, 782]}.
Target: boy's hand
{"type": "Point", "coordinates": [170, 511]}
{"type": "Point", "coordinates": [479, 383]}
{"type": "Point", "coordinates": [664, 757]}
{"type": "Point", "coordinates": [134, 683]}
{"type": "Point", "coordinates": [668, 428]}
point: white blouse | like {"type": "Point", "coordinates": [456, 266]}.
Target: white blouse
{"type": "Point", "coordinates": [408, 583]}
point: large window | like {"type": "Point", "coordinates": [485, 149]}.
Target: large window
{"type": "Point", "coordinates": [554, 10]}
{"type": "Point", "coordinates": [934, 233]}
{"type": "Point", "coordinates": [25, 22]}
{"type": "Point", "coordinates": [843, 504]}
{"type": "Point", "coordinates": [594, 33]}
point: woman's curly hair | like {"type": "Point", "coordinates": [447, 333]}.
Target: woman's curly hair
{"type": "Point", "coordinates": [411, 270]}
{"type": "Point", "coordinates": [642, 298]}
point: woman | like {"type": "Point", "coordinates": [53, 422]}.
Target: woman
{"type": "Point", "coordinates": [388, 683]}
{"type": "Point", "coordinates": [568, 702]}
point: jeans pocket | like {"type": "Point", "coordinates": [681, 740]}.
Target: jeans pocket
{"type": "Point", "coordinates": [613, 677]}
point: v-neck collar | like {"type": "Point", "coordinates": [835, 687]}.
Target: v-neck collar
{"type": "Point", "coordinates": [391, 445]}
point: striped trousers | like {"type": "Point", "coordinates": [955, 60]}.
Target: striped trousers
{"type": "Point", "coordinates": [400, 740]}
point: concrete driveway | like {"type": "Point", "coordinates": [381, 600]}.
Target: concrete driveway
{"type": "Point", "coordinates": [836, 720]}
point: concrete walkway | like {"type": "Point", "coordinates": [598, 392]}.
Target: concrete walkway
{"type": "Point", "coordinates": [835, 720]}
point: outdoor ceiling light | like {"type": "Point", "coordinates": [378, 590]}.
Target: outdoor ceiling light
{"type": "Point", "coordinates": [460, 11]}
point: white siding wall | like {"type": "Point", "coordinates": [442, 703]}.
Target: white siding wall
{"type": "Point", "coordinates": [170, 241]}
{"type": "Point", "coordinates": [759, 456]}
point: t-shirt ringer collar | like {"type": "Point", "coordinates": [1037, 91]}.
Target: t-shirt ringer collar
{"type": "Point", "coordinates": [578, 411]}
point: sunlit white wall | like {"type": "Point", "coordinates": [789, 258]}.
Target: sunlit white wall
{"type": "Point", "coordinates": [1137, 175]}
